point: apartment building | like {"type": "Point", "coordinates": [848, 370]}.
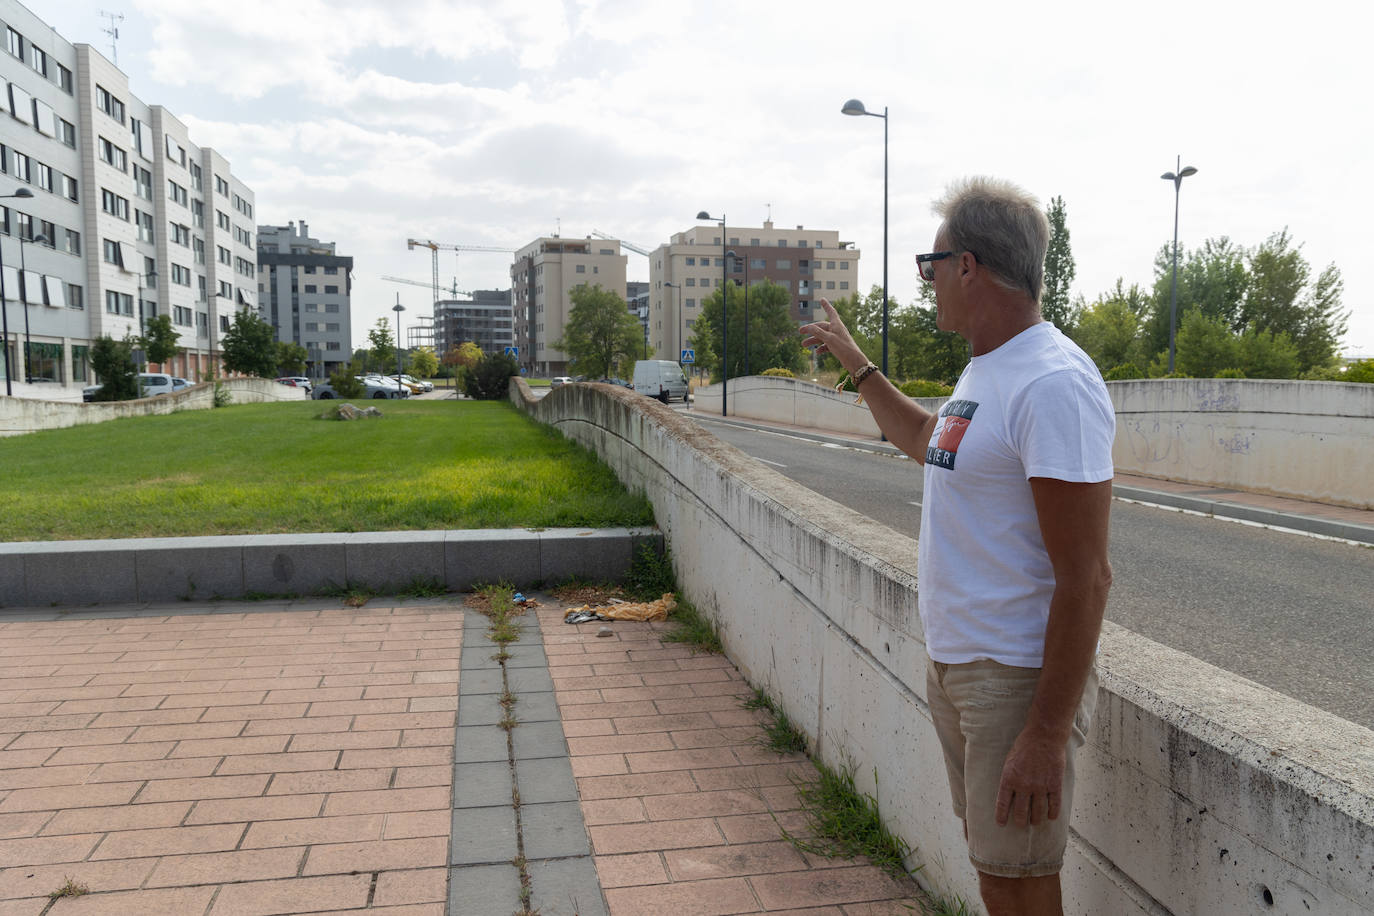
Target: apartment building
{"type": "Point", "coordinates": [128, 219]}
{"type": "Point", "coordinates": [544, 274]}
{"type": "Point", "coordinates": [809, 263]}
{"type": "Point", "coordinates": [485, 318]}
{"type": "Point", "coordinates": [305, 291]}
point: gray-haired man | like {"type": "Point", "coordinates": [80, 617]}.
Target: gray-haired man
{"type": "Point", "coordinates": [1012, 562]}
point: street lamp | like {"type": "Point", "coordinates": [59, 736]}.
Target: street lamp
{"type": "Point", "coordinates": [24, 297]}
{"type": "Point", "coordinates": [682, 319]}
{"type": "Point", "coordinates": [724, 311]}
{"type": "Point", "coordinates": [855, 107]}
{"type": "Point", "coordinates": [398, 309]}
{"type": "Point", "coordinates": [4, 304]}
{"type": "Point", "coordinates": [746, 316]}
{"type": "Point", "coordinates": [1177, 179]}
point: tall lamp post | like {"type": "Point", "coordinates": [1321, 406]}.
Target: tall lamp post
{"type": "Point", "coordinates": [1177, 179]}
{"type": "Point", "coordinates": [24, 297]}
{"type": "Point", "coordinates": [4, 303]}
{"type": "Point", "coordinates": [746, 316]}
{"type": "Point", "coordinates": [724, 311]}
{"type": "Point", "coordinates": [681, 322]}
{"type": "Point", "coordinates": [398, 309]}
{"type": "Point", "coordinates": [855, 107]}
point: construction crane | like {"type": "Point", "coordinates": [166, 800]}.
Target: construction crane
{"type": "Point", "coordinates": [434, 248]}
{"type": "Point", "coordinates": [623, 244]}
{"type": "Point", "coordinates": [454, 290]}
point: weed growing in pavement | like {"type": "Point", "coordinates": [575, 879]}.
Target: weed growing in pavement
{"type": "Point", "coordinates": [845, 821]}
{"type": "Point", "coordinates": [651, 574]}
{"type": "Point", "coordinates": [781, 734]}
{"type": "Point", "coordinates": [422, 587]}
{"type": "Point", "coordinates": [69, 889]}
{"type": "Point", "coordinates": [693, 629]}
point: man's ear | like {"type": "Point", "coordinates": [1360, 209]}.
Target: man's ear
{"type": "Point", "coordinates": [968, 267]}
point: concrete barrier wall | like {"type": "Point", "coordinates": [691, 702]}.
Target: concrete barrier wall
{"type": "Point", "coordinates": [1308, 440]}
{"type": "Point", "coordinates": [1201, 792]}
{"type": "Point", "coordinates": [26, 415]}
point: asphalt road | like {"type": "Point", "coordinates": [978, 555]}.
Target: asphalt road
{"type": "Point", "coordinates": [1291, 612]}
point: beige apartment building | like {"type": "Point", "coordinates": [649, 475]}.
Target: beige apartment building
{"type": "Point", "coordinates": [809, 263]}
{"type": "Point", "coordinates": [544, 274]}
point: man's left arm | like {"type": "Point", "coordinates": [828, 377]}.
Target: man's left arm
{"type": "Point", "coordinates": [1073, 520]}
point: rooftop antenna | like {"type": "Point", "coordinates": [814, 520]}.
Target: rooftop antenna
{"type": "Point", "coordinates": [113, 32]}
{"type": "Point", "coordinates": [558, 233]}
{"type": "Point", "coordinates": [770, 212]}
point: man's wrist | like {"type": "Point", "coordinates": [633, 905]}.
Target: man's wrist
{"type": "Point", "coordinates": [863, 374]}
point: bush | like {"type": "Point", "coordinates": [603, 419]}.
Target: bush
{"type": "Point", "coordinates": [489, 380]}
{"type": "Point", "coordinates": [345, 382]}
{"type": "Point", "coordinates": [778, 373]}
{"type": "Point", "coordinates": [1122, 372]}
{"type": "Point", "coordinates": [1362, 371]}
{"type": "Point", "coordinates": [113, 362]}
{"type": "Point", "coordinates": [1231, 373]}
{"type": "Point", "coordinates": [924, 388]}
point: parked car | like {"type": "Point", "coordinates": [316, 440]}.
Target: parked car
{"type": "Point", "coordinates": [558, 381]}
{"type": "Point", "coordinates": [612, 380]}
{"type": "Point", "coordinates": [179, 383]}
{"type": "Point", "coordinates": [374, 387]}
{"type": "Point", "coordinates": [296, 381]}
{"type": "Point", "coordinates": [425, 384]}
{"type": "Point", "coordinates": [150, 384]}
{"type": "Point", "coordinates": [660, 378]}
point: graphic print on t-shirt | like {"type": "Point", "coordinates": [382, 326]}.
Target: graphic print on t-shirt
{"type": "Point", "coordinates": [955, 417]}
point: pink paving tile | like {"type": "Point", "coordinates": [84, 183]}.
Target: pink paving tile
{"type": "Point", "coordinates": [177, 901]}
{"type": "Point", "coordinates": [36, 777]}
{"type": "Point", "coordinates": [732, 861]}
{"type": "Point", "coordinates": [619, 744]}
{"type": "Point", "coordinates": [744, 737]}
{"type": "Point", "coordinates": [225, 867]}
{"type": "Point", "coordinates": [381, 855]}
{"type": "Point", "coordinates": [435, 755]}
{"type": "Point", "coordinates": [69, 797]}
{"type": "Point", "coordinates": [704, 804]}
{"type": "Point", "coordinates": [597, 787]}
{"type": "Point", "coordinates": [631, 870]}
{"type": "Point", "coordinates": [760, 828]}
{"type": "Point", "coordinates": [260, 898]}
{"type": "Point", "coordinates": [27, 823]}
{"type": "Point", "coordinates": [413, 886]}
{"type": "Point", "coordinates": [133, 844]}
{"type": "Point", "coordinates": [329, 781]}
{"type": "Point", "coordinates": [425, 737]}
{"type": "Point", "coordinates": [117, 817]}
{"type": "Point", "coordinates": [207, 787]}
{"type": "Point", "coordinates": [426, 799]}
{"type": "Point", "coordinates": [154, 769]}
{"type": "Point", "coordinates": [416, 777]}
{"type": "Point", "coordinates": [404, 825]}
{"type": "Point", "coordinates": [695, 759]}
{"type": "Point", "coordinates": [600, 765]}
{"type": "Point", "coordinates": [613, 811]}
{"type": "Point", "coordinates": [693, 898]}
{"type": "Point", "coordinates": [277, 763]}
{"type": "Point", "coordinates": [39, 880]}
{"type": "Point", "coordinates": [615, 838]}
{"type": "Point", "coordinates": [341, 740]}
{"type": "Point", "coordinates": [308, 831]}
{"type": "Point", "coordinates": [855, 884]}
{"type": "Point", "coordinates": [228, 810]}
{"type": "Point", "coordinates": [583, 728]}
{"type": "Point", "coordinates": [108, 753]}
{"type": "Point", "coordinates": [44, 850]}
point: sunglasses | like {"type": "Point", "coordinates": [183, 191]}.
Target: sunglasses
{"type": "Point", "coordinates": [925, 263]}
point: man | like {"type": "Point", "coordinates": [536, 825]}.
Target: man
{"type": "Point", "coordinates": [1012, 567]}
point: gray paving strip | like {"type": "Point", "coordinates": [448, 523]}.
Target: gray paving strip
{"type": "Point", "coordinates": [493, 768]}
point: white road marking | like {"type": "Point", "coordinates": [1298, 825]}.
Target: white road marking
{"type": "Point", "coordinates": [1242, 521]}
{"type": "Point", "coordinates": [914, 503]}
{"type": "Point", "coordinates": [766, 461]}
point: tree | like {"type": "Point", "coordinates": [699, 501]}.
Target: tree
{"type": "Point", "coordinates": [159, 340]}
{"type": "Point", "coordinates": [1055, 304]}
{"type": "Point", "coordinates": [1278, 299]}
{"type": "Point", "coordinates": [383, 352]}
{"type": "Point", "coordinates": [113, 362]}
{"type": "Point", "coordinates": [345, 382]}
{"type": "Point", "coordinates": [773, 339]}
{"type": "Point", "coordinates": [919, 349]}
{"type": "Point", "coordinates": [1267, 354]}
{"type": "Point", "coordinates": [489, 380]}
{"type": "Point", "coordinates": [1211, 279]}
{"type": "Point", "coordinates": [1205, 346]}
{"type": "Point", "coordinates": [423, 362]}
{"type": "Point", "coordinates": [291, 358]}
{"type": "Point", "coordinates": [1107, 333]}
{"type": "Point", "coordinates": [249, 346]}
{"type": "Point", "coordinates": [600, 331]}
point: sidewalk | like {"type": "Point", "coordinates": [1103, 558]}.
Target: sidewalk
{"type": "Point", "coordinates": [1282, 512]}
{"type": "Point", "coordinates": [292, 757]}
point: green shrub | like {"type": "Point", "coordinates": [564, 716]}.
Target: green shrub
{"type": "Point", "coordinates": [489, 380]}
{"type": "Point", "coordinates": [1122, 372]}
{"type": "Point", "coordinates": [924, 388]}
{"type": "Point", "coordinates": [1362, 371]}
{"type": "Point", "coordinates": [1231, 373]}
{"type": "Point", "coordinates": [778, 372]}
{"type": "Point", "coordinates": [113, 362]}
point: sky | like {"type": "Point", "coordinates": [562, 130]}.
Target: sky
{"type": "Point", "coordinates": [479, 122]}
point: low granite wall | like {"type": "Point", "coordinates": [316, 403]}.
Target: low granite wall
{"type": "Point", "coordinates": [1200, 792]}
{"type": "Point", "coordinates": [26, 415]}
{"type": "Point", "coordinates": [1308, 440]}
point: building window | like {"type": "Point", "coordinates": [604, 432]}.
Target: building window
{"type": "Point", "coordinates": [177, 192]}
{"type": "Point", "coordinates": [331, 307]}
{"type": "Point", "coordinates": [181, 275]}
{"type": "Point", "coordinates": [15, 42]}
{"type": "Point", "coordinates": [691, 281]}
{"type": "Point", "coordinates": [64, 79]}
{"type": "Point", "coordinates": [844, 265]}
{"type": "Point", "coordinates": [221, 186]}
{"type": "Point", "coordinates": [198, 246]}
{"type": "Point", "coordinates": [113, 204]}
{"type": "Point", "coordinates": [226, 289]}
{"type": "Point", "coordinates": [784, 264]}
{"type": "Point", "coordinates": [198, 214]}
{"type": "Point", "coordinates": [68, 187]}
{"type": "Point", "coordinates": [181, 316]}
{"type": "Point", "coordinates": [311, 288]}
{"type": "Point", "coordinates": [45, 177]}
{"type": "Point", "coordinates": [331, 270]}
{"type": "Point", "coordinates": [223, 255]}
{"type": "Point", "coordinates": [181, 234]}
{"type": "Point", "coordinates": [22, 170]}
{"type": "Point", "coordinates": [224, 324]}
{"type": "Point", "coordinates": [109, 104]}
{"type": "Point", "coordinates": [73, 242]}
{"type": "Point", "coordinates": [203, 324]}
{"type": "Point", "coordinates": [66, 132]}
{"type": "Point", "coordinates": [844, 284]}
{"type": "Point", "coordinates": [221, 219]}
{"type": "Point", "coordinates": [331, 290]}
{"type": "Point", "coordinates": [119, 303]}
{"type": "Point", "coordinates": [113, 253]}
{"type": "Point", "coordinates": [197, 177]}
{"type": "Point", "coordinates": [114, 155]}
{"type": "Point", "coordinates": [144, 222]}
{"type": "Point", "coordinates": [143, 182]}
{"type": "Point", "coordinates": [582, 268]}
{"type": "Point", "coordinates": [75, 298]}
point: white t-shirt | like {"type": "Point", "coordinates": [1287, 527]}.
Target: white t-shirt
{"type": "Point", "coordinates": [1034, 407]}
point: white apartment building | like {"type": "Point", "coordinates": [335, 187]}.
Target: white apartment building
{"type": "Point", "coordinates": [305, 291]}
{"type": "Point", "coordinates": [135, 220]}
{"type": "Point", "coordinates": [810, 263]}
{"type": "Point", "coordinates": [545, 272]}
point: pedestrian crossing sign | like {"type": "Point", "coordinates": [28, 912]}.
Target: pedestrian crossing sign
{"type": "Point", "coordinates": [689, 356]}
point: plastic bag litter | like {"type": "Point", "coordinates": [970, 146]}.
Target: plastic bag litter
{"type": "Point", "coordinates": [623, 610]}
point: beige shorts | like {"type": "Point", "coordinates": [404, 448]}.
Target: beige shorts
{"type": "Point", "coordinates": [978, 709]}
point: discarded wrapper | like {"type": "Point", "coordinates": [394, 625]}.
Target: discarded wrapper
{"type": "Point", "coordinates": [623, 610]}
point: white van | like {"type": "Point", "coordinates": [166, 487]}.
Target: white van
{"type": "Point", "coordinates": [660, 378]}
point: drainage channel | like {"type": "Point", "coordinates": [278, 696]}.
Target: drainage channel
{"type": "Point", "coordinates": [514, 796]}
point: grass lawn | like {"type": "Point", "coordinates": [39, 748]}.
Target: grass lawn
{"type": "Point", "coordinates": [262, 468]}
